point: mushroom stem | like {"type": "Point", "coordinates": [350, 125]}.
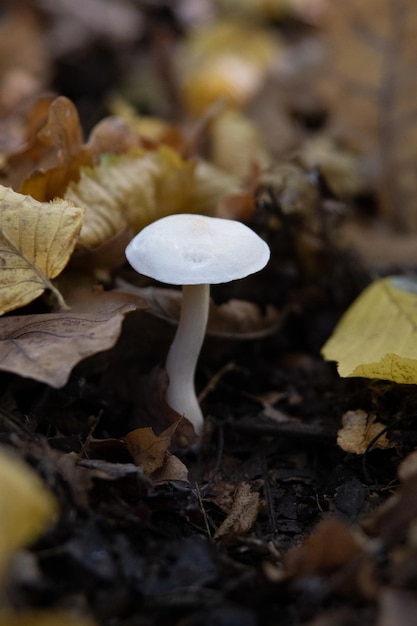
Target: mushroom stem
{"type": "Point", "coordinates": [184, 351]}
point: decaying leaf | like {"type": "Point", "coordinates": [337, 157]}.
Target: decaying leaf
{"type": "Point", "coordinates": [26, 505]}
{"type": "Point", "coordinates": [359, 430]}
{"type": "Point", "coordinates": [242, 515]}
{"type": "Point", "coordinates": [372, 53]}
{"type": "Point", "coordinates": [235, 319]}
{"type": "Point", "coordinates": [151, 453]}
{"type": "Point", "coordinates": [36, 240]}
{"type": "Point", "coordinates": [46, 347]}
{"type": "Point", "coordinates": [376, 338]}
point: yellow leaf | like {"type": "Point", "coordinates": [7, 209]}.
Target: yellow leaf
{"type": "Point", "coordinates": [227, 61]}
{"type": "Point", "coordinates": [26, 506]}
{"type": "Point", "coordinates": [36, 241]}
{"type": "Point", "coordinates": [377, 336]}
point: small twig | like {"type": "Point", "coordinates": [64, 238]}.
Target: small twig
{"type": "Point", "coordinates": [290, 429]}
{"type": "Point", "coordinates": [203, 511]}
{"type": "Point", "coordinates": [214, 380]}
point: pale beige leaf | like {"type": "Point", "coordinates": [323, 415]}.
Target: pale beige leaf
{"type": "Point", "coordinates": [242, 515]}
{"type": "Point", "coordinates": [236, 144]}
{"type": "Point", "coordinates": [26, 506]}
{"type": "Point", "coordinates": [46, 347]}
{"type": "Point", "coordinates": [36, 242]}
{"type": "Point", "coordinates": [359, 430]}
{"type": "Point", "coordinates": [235, 319]}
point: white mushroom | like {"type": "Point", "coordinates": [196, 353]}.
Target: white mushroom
{"type": "Point", "coordinates": [194, 251]}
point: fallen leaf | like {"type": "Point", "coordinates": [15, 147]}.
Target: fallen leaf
{"type": "Point", "coordinates": [136, 189]}
{"type": "Point", "coordinates": [376, 337]}
{"type": "Point", "coordinates": [330, 546]}
{"type": "Point", "coordinates": [359, 430]}
{"type": "Point", "coordinates": [226, 60]}
{"type": "Point", "coordinates": [151, 453]}
{"type": "Point", "coordinates": [26, 505]}
{"type": "Point", "coordinates": [173, 469]}
{"type": "Point", "coordinates": [242, 515]}
{"type": "Point", "coordinates": [148, 393]}
{"type": "Point", "coordinates": [147, 449]}
{"type": "Point", "coordinates": [235, 319]}
{"type": "Point", "coordinates": [62, 135]}
{"type": "Point", "coordinates": [36, 240]}
{"type": "Point", "coordinates": [46, 347]}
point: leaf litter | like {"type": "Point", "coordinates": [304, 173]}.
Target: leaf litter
{"type": "Point", "coordinates": [299, 504]}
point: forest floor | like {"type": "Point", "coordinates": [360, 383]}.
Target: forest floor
{"type": "Point", "coordinates": [269, 520]}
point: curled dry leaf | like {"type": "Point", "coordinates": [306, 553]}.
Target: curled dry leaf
{"type": "Point", "coordinates": [235, 319]}
{"type": "Point", "coordinates": [36, 241]}
{"type": "Point", "coordinates": [151, 452]}
{"type": "Point", "coordinates": [62, 139]}
{"type": "Point", "coordinates": [359, 430]}
{"type": "Point", "coordinates": [136, 189]}
{"type": "Point", "coordinates": [46, 347]}
{"type": "Point", "coordinates": [26, 505]}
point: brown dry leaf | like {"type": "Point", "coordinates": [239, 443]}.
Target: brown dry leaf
{"type": "Point", "coordinates": [172, 469]}
{"type": "Point", "coordinates": [36, 240]}
{"type": "Point", "coordinates": [26, 505]}
{"type": "Point", "coordinates": [372, 53]}
{"type": "Point", "coordinates": [242, 515]}
{"type": "Point", "coordinates": [330, 546]}
{"type": "Point", "coordinates": [359, 430]}
{"type": "Point", "coordinates": [63, 138]}
{"type": "Point", "coordinates": [235, 319]}
{"type": "Point", "coordinates": [151, 453]}
{"type": "Point", "coordinates": [46, 347]}
{"type": "Point", "coordinates": [152, 409]}
{"type": "Point", "coordinates": [37, 617]}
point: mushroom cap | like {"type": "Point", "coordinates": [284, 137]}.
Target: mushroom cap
{"type": "Point", "coordinates": [189, 249]}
